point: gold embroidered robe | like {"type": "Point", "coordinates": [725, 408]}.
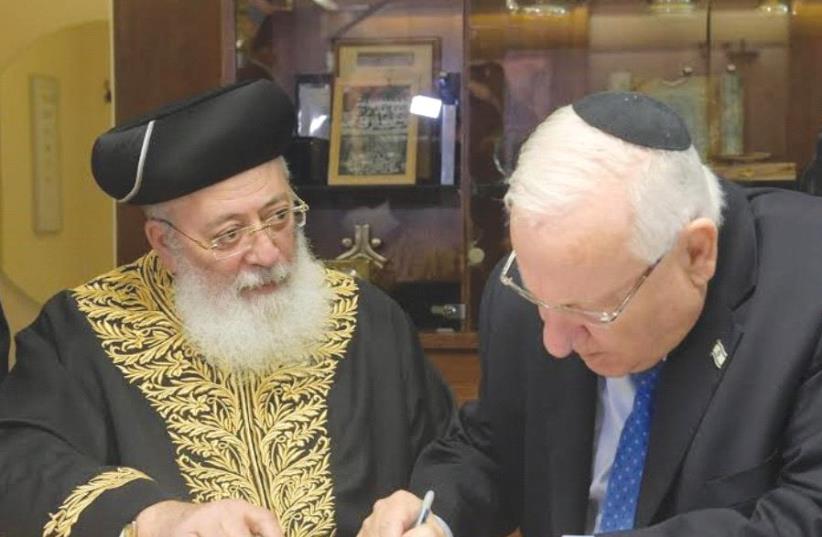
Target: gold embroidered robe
{"type": "Point", "coordinates": [109, 410]}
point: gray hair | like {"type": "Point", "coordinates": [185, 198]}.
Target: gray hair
{"type": "Point", "coordinates": [566, 161]}
{"type": "Point", "coordinates": [161, 211]}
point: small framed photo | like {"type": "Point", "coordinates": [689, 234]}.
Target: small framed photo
{"type": "Point", "coordinates": [373, 134]}
{"type": "Point", "coordinates": [375, 139]}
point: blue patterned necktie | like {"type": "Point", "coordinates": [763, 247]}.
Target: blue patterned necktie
{"type": "Point", "coordinates": [626, 473]}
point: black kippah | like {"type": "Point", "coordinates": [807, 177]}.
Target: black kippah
{"type": "Point", "coordinates": [635, 118]}
{"type": "Point", "coordinates": [192, 144]}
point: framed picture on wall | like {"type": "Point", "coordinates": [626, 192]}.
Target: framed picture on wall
{"type": "Point", "coordinates": [376, 79]}
{"type": "Point", "coordinates": [373, 133]}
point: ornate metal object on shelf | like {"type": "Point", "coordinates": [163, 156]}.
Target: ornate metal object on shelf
{"type": "Point", "coordinates": [450, 312]}
{"type": "Point", "coordinates": [732, 112]}
{"type": "Point", "coordinates": [361, 259]}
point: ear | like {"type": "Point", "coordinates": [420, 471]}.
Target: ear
{"type": "Point", "coordinates": [701, 239]}
{"type": "Point", "coordinates": [156, 234]}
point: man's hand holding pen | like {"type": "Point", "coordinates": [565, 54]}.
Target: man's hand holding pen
{"type": "Point", "coordinates": [398, 516]}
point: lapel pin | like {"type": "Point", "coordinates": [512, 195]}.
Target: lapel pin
{"type": "Point", "coordinates": [719, 354]}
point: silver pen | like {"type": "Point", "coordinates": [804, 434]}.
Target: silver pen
{"type": "Point", "coordinates": [425, 509]}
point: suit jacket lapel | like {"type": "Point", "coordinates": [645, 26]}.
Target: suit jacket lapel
{"type": "Point", "coordinates": [690, 375]}
{"type": "Point", "coordinates": [686, 386]}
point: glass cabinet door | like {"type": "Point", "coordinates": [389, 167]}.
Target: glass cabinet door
{"type": "Point", "coordinates": [413, 201]}
{"type": "Point", "coordinates": [376, 85]}
{"type": "Point", "coordinates": [742, 73]}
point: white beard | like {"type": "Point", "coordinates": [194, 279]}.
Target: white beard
{"type": "Point", "coordinates": [258, 333]}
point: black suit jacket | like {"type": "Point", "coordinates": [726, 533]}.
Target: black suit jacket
{"type": "Point", "coordinates": [734, 450]}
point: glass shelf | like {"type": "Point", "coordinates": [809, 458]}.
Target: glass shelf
{"type": "Point", "coordinates": [329, 196]}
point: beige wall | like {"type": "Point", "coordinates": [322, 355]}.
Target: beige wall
{"type": "Point", "coordinates": [22, 23]}
{"type": "Point", "coordinates": [70, 41]}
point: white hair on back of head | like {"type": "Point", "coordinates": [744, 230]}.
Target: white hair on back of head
{"type": "Point", "coordinates": [566, 161]}
{"type": "Point", "coordinates": [675, 189]}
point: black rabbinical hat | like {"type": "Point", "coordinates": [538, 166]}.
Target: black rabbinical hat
{"type": "Point", "coordinates": [193, 143]}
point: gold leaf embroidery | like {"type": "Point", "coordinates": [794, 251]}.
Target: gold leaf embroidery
{"type": "Point", "coordinates": [61, 523]}
{"type": "Point", "coordinates": [261, 438]}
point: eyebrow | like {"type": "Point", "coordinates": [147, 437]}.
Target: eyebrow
{"type": "Point", "coordinates": [217, 222]}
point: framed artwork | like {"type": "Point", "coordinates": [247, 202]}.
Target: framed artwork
{"type": "Point", "coordinates": [373, 134]}
{"type": "Point", "coordinates": [374, 137]}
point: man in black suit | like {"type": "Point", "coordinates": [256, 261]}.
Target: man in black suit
{"type": "Point", "coordinates": [688, 312]}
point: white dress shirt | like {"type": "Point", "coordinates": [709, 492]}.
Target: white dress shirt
{"type": "Point", "coordinates": [615, 399]}
{"type": "Point", "coordinates": [614, 402]}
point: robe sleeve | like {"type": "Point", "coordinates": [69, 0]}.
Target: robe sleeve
{"type": "Point", "coordinates": [430, 403]}
{"type": "Point", "coordinates": [475, 494]}
{"type": "Point", "coordinates": [387, 404]}
{"type": "Point", "coordinates": [58, 474]}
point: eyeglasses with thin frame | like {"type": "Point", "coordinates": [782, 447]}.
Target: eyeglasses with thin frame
{"type": "Point", "coordinates": [591, 316]}
{"type": "Point", "coordinates": [238, 240]}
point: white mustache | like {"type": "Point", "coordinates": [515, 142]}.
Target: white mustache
{"type": "Point", "coordinates": [253, 278]}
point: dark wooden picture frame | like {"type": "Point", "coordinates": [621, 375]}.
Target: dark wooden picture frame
{"type": "Point", "coordinates": [375, 143]}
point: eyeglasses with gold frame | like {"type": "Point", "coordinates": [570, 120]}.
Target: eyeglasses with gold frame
{"type": "Point", "coordinates": [237, 241]}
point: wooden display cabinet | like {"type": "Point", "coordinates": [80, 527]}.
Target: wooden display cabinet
{"type": "Point", "coordinates": [372, 172]}
{"type": "Point", "coordinates": [516, 61]}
